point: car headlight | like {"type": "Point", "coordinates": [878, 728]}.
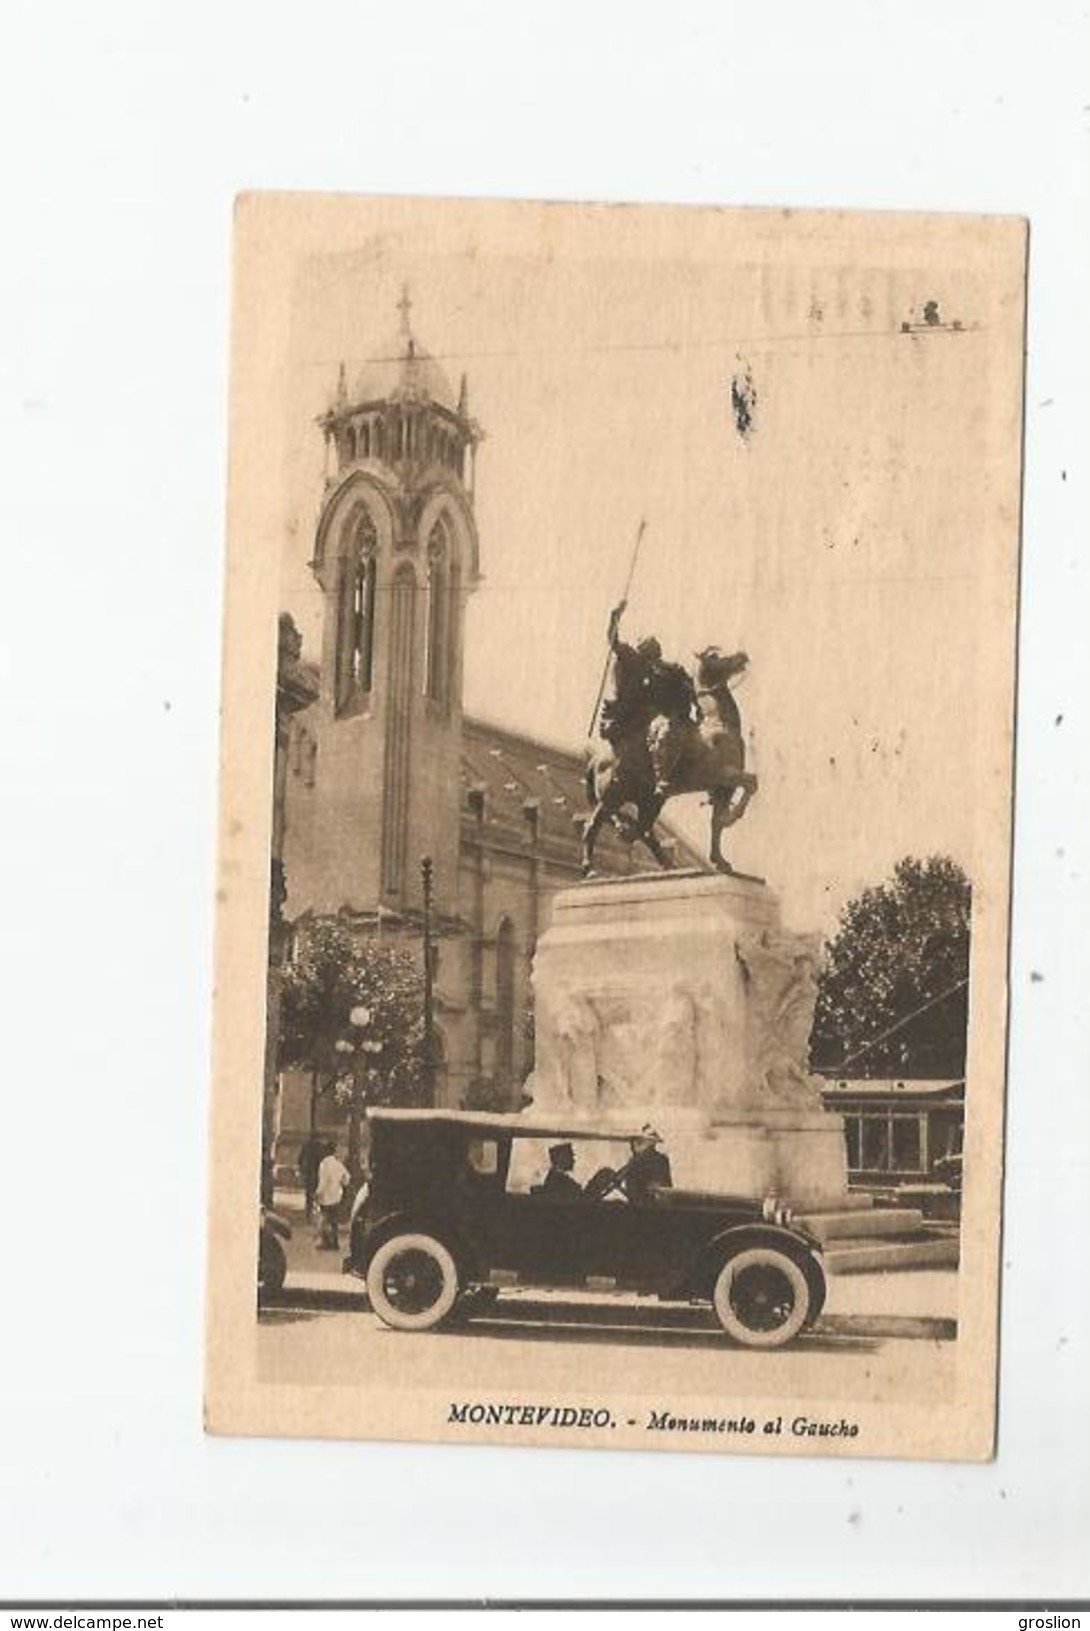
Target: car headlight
{"type": "Point", "coordinates": [776, 1211]}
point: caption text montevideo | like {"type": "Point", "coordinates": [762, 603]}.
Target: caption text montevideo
{"type": "Point", "coordinates": [478, 1413]}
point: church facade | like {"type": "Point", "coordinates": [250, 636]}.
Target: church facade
{"type": "Point", "coordinates": [384, 767]}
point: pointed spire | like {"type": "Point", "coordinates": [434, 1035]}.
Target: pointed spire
{"type": "Point", "coordinates": [463, 398]}
{"type": "Point", "coordinates": [342, 388]}
{"type": "Point", "coordinates": [410, 371]}
{"type": "Point", "coordinates": [405, 306]}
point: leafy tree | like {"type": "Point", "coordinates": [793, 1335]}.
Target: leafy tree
{"type": "Point", "coordinates": [492, 1095]}
{"type": "Point", "coordinates": [893, 997]}
{"type": "Point", "coordinates": [352, 1013]}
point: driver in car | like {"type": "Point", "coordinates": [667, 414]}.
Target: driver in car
{"type": "Point", "coordinates": [559, 1184]}
{"type": "Point", "coordinates": [647, 1169]}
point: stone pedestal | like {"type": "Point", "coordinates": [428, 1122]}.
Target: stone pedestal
{"type": "Point", "coordinates": [678, 998]}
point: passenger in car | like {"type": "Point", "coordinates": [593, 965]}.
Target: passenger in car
{"type": "Point", "coordinates": [559, 1184]}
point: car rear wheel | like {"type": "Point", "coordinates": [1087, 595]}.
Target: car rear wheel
{"type": "Point", "coordinates": [272, 1266]}
{"type": "Point", "coordinates": [412, 1282]}
{"type": "Point", "coordinates": [761, 1297]}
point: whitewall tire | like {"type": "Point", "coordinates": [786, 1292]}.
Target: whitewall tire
{"type": "Point", "coordinates": [761, 1297]}
{"type": "Point", "coordinates": [412, 1282]}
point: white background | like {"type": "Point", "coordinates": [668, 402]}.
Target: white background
{"type": "Point", "coordinates": [125, 130]}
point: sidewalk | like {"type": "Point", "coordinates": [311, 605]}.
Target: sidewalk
{"type": "Point", "coordinates": [311, 1268]}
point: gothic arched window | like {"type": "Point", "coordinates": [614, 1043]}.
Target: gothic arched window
{"type": "Point", "coordinates": [454, 601]}
{"type": "Point", "coordinates": [506, 954]}
{"type": "Point", "coordinates": [436, 663]}
{"type": "Point", "coordinates": [356, 644]}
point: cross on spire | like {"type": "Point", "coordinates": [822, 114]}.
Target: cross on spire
{"type": "Point", "coordinates": [405, 306]}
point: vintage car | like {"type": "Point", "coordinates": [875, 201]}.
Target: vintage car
{"type": "Point", "coordinates": [456, 1208]}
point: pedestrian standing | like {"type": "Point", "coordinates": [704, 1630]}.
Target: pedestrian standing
{"type": "Point", "coordinates": [310, 1159]}
{"type": "Point", "coordinates": [332, 1182]}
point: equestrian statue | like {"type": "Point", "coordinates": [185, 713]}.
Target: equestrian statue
{"type": "Point", "coordinates": [661, 732]}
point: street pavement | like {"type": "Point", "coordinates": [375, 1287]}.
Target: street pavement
{"type": "Point", "coordinates": [556, 1349]}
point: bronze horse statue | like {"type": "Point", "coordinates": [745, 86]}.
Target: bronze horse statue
{"type": "Point", "coordinates": [624, 785]}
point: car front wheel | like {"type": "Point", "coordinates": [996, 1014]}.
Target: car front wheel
{"type": "Point", "coordinates": [761, 1297]}
{"type": "Point", "coordinates": [412, 1282]}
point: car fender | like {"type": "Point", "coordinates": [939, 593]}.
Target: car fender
{"type": "Point", "coordinates": [366, 1241]}
{"type": "Point", "coordinates": [741, 1237]}
{"type": "Point", "coordinates": [275, 1223]}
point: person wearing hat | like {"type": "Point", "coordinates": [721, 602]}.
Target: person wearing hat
{"type": "Point", "coordinates": [558, 1184]}
{"type": "Point", "coordinates": [648, 1169]}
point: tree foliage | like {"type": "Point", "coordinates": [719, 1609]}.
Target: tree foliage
{"type": "Point", "coordinates": [899, 964]}
{"type": "Point", "coordinates": [333, 971]}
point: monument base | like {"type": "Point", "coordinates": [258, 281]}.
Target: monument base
{"type": "Point", "coordinates": [797, 1156]}
{"type": "Point", "coordinates": [678, 999]}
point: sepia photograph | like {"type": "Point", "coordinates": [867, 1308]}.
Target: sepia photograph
{"type": "Point", "coordinates": [615, 826]}
{"type": "Point", "coordinates": [546, 811]}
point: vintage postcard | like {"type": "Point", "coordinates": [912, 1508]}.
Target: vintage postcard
{"type": "Point", "coordinates": [615, 831]}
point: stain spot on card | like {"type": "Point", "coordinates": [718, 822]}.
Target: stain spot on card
{"type": "Point", "coordinates": [743, 403]}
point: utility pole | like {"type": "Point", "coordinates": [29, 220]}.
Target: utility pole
{"type": "Point", "coordinates": [362, 1049]}
{"type": "Point", "coordinates": [429, 991]}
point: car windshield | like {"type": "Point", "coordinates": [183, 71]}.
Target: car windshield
{"type": "Point", "coordinates": [533, 1159]}
{"type": "Point", "coordinates": [412, 1155]}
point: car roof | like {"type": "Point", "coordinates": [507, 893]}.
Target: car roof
{"type": "Point", "coordinates": [520, 1124]}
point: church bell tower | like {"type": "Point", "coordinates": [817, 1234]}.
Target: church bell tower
{"type": "Point", "coordinates": [396, 556]}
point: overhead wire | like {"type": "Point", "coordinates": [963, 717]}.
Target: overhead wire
{"type": "Point", "coordinates": [736, 342]}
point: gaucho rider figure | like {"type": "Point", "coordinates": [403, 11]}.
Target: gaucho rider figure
{"type": "Point", "coordinates": [642, 688]}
